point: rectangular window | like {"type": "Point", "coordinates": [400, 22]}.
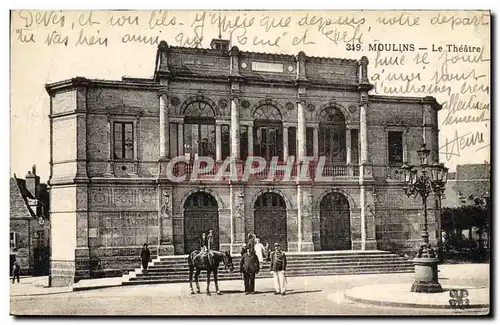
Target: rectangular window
{"type": "Point", "coordinates": [292, 141]}
{"type": "Point", "coordinates": [354, 147]}
{"type": "Point", "coordinates": [310, 142]}
{"type": "Point", "coordinates": [225, 145]}
{"type": "Point", "coordinates": [395, 146]}
{"type": "Point", "coordinates": [13, 239]}
{"type": "Point", "coordinates": [123, 140]}
{"type": "Point", "coordinates": [174, 140]}
{"type": "Point", "coordinates": [243, 142]}
{"type": "Point", "coordinates": [39, 238]}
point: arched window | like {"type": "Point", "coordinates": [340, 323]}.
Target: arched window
{"type": "Point", "coordinates": [199, 129]}
{"type": "Point", "coordinates": [268, 132]}
{"type": "Point", "coordinates": [199, 110]}
{"type": "Point", "coordinates": [332, 135]}
{"type": "Point", "coordinates": [267, 112]}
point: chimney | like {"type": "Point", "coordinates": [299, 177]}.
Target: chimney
{"type": "Point", "coordinates": [220, 44]}
{"type": "Point", "coordinates": [32, 181]}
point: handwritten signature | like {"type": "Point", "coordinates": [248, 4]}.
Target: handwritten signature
{"type": "Point", "coordinates": [452, 147]}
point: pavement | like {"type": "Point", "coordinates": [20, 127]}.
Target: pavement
{"type": "Point", "coordinates": [317, 295]}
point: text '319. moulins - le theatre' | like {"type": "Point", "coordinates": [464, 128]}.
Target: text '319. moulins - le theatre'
{"type": "Point", "coordinates": [126, 169]}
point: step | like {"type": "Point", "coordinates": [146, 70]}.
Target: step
{"type": "Point", "coordinates": [307, 271]}
{"type": "Point", "coordinates": [174, 269]}
{"type": "Point", "coordinates": [203, 279]}
{"type": "Point", "coordinates": [299, 257]}
{"type": "Point", "coordinates": [292, 261]}
{"type": "Point", "coordinates": [157, 268]}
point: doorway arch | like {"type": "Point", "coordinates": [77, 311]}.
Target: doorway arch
{"type": "Point", "coordinates": [201, 213]}
{"type": "Point", "coordinates": [270, 219]}
{"type": "Point", "coordinates": [335, 228]}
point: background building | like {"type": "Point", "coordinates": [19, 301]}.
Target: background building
{"type": "Point", "coordinates": [469, 182]}
{"type": "Point", "coordinates": [112, 140]}
{"type": "Point", "coordinates": [29, 224]}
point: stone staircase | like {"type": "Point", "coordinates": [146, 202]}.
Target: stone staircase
{"type": "Point", "coordinates": [172, 269]}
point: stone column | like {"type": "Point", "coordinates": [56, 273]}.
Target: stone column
{"type": "Point", "coordinates": [250, 140]}
{"type": "Point", "coordinates": [218, 142]}
{"type": "Point", "coordinates": [180, 136]}
{"type": "Point", "coordinates": [164, 126]}
{"type": "Point", "coordinates": [110, 168]}
{"type": "Point", "coordinates": [348, 146]}
{"type": "Point", "coordinates": [301, 129]}
{"type": "Point", "coordinates": [348, 151]}
{"type": "Point", "coordinates": [316, 142]}
{"type": "Point", "coordinates": [285, 143]}
{"type": "Point", "coordinates": [363, 134]}
{"type": "Point", "coordinates": [235, 127]}
{"type": "Point", "coordinates": [362, 204]}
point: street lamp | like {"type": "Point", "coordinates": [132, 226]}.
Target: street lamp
{"type": "Point", "coordinates": [422, 182]}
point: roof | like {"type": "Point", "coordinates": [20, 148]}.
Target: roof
{"type": "Point", "coordinates": [19, 207]}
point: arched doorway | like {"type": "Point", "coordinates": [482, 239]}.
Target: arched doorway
{"type": "Point", "coordinates": [201, 214]}
{"type": "Point", "coordinates": [270, 219]}
{"type": "Point", "coordinates": [335, 229]}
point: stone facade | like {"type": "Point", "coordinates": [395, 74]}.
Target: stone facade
{"type": "Point", "coordinates": [29, 224]}
{"type": "Point", "coordinates": [111, 143]}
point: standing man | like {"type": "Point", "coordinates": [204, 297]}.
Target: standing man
{"type": "Point", "coordinates": [259, 250]}
{"type": "Point", "coordinates": [145, 257]}
{"type": "Point", "coordinates": [203, 242]}
{"type": "Point", "coordinates": [278, 267]}
{"type": "Point", "coordinates": [249, 267]}
{"type": "Point", "coordinates": [251, 240]}
{"type": "Point", "coordinates": [210, 240]}
{"type": "Point", "coordinates": [210, 245]}
{"type": "Point", "coordinates": [16, 271]}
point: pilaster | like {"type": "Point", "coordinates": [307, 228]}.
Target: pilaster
{"type": "Point", "coordinates": [165, 244]}
{"type": "Point", "coordinates": [237, 218]}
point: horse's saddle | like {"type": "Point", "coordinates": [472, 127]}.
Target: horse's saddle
{"type": "Point", "coordinates": [201, 259]}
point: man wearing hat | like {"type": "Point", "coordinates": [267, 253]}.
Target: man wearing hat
{"type": "Point", "coordinates": [145, 257]}
{"type": "Point", "coordinates": [249, 267]}
{"type": "Point", "coordinates": [278, 267]}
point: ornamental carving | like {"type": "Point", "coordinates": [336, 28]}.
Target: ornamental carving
{"type": "Point", "coordinates": [245, 104]}
{"type": "Point", "coordinates": [290, 106]}
{"type": "Point", "coordinates": [311, 107]}
{"type": "Point", "coordinates": [353, 109]}
{"type": "Point", "coordinates": [222, 103]}
{"type": "Point", "coordinates": [123, 197]}
{"type": "Point", "coordinates": [175, 101]}
{"type": "Point", "coordinates": [165, 203]}
{"type": "Point", "coordinates": [148, 196]}
{"type": "Point", "coordinates": [100, 197]}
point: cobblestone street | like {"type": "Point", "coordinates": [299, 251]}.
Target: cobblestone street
{"type": "Point", "coordinates": [320, 295]}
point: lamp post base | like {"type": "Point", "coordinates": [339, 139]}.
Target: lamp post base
{"type": "Point", "coordinates": [426, 275]}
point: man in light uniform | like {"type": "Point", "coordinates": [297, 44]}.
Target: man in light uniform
{"type": "Point", "coordinates": [278, 267]}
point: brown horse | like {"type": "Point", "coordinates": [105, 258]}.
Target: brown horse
{"type": "Point", "coordinates": [202, 262]}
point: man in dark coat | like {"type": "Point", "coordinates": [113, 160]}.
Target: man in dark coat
{"type": "Point", "coordinates": [145, 257]}
{"type": "Point", "coordinates": [16, 271]}
{"type": "Point", "coordinates": [249, 267]}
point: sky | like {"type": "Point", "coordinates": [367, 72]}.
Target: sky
{"type": "Point", "coordinates": [449, 60]}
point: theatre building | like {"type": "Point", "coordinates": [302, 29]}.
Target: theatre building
{"type": "Point", "coordinates": [112, 141]}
